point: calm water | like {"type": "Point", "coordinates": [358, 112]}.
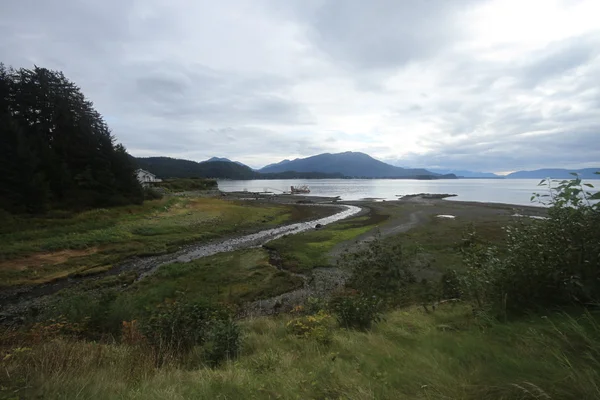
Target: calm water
{"type": "Point", "coordinates": [511, 191]}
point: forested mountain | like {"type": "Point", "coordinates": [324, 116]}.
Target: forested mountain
{"type": "Point", "coordinates": [213, 159]}
{"type": "Point", "coordinates": [55, 148]}
{"type": "Point", "coordinates": [165, 167]}
{"type": "Point", "coordinates": [350, 164]}
{"type": "Point", "coordinates": [555, 173]}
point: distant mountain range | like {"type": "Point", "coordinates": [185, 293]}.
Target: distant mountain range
{"type": "Point", "coordinates": [327, 165]}
{"type": "Point", "coordinates": [165, 167]}
{"type": "Point", "coordinates": [555, 173]}
{"type": "Point", "coordinates": [213, 159]}
{"type": "Point", "coordinates": [465, 174]}
{"type": "Point", "coordinates": [351, 164]}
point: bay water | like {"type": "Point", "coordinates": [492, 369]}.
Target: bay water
{"type": "Point", "coordinates": [510, 191]}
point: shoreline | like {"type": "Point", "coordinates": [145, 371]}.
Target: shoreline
{"type": "Point", "coordinates": [417, 198]}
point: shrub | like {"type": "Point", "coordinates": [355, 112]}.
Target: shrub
{"type": "Point", "coordinates": [380, 269]}
{"type": "Point", "coordinates": [88, 310]}
{"type": "Point", "coordinates": [450, 285]}
{"type": "Point", "coordinates": [223, 341]}
{"type": "Point", "coordinates": [152, 194]}
{"type": "Point", "coordinates": [130, 333]}
{"type": "Point", "coordinates": [314, 305]}
{"type": "Point", "coordinates": [187, 184]}
{"type": "Point", "coordinates": [428, 293]}
{"type": "Point", "coordinates": [549, 262]}
{"type": "Point", "coordinates": [357, 311]}
{"type": "Point", "coordinates": [173, 329]}
{"type": "Point", "coordinates": [317, 326]}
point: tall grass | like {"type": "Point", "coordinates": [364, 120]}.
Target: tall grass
{"type": "Point", "coordinates": [448, 354]}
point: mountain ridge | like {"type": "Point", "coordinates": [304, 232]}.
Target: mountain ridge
{"type": "Point", "coordinates": [224, 159]}
{"type": "Point", "coordinates": [350, 164]}
{"type": "Point", "coordinates": [555, 173]}
{"type": "Point", "coordinates": [166, 167]}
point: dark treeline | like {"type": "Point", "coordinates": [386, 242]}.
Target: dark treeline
{"type": "Point", "coordinates": [166, 167]}
{"type": "Point", "coordinates": [56, 151]}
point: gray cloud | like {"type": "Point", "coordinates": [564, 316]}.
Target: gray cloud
{"type": "Point", "coordinates": [559, 58]}
{"type": "Point", "coordinates": [384, 33]}
{"type": "Point", "coordinates": [418, 83]}
{"type": "Point", "coordinates": [210, 96]}
{"type": "Point", "coordinates": [562, 148]}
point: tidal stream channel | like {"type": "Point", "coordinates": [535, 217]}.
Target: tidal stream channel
{"type": "Point", "coordinates": [18, 300]}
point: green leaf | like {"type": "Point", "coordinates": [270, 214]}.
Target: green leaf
{"type": "Point", "coordinates": [588, 185]}
{"type": "Point", "coordinates": [541, 182]}
{"type": "Point", "coordinates": [574, 173]}
{"type": "Point", "coordinates": [595, 196]}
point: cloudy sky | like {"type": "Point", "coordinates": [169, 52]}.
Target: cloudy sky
{"type": "Point", "coordinates": [496, 85]}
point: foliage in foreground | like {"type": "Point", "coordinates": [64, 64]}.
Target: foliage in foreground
{"type": "Point", "coordinates": [448, 354]}
{"type": "Point", "coordinates": [547, 263]}
{"type": "Point", "coordinates": [173, 329]}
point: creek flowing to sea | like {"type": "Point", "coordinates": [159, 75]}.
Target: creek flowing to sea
{"type": "Point", "coordinates": [263, 237]}
{"type": "Point", "coordinates": [21, 298]}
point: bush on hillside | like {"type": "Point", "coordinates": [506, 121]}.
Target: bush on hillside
{"type": "Point", "coordinates": [223, 341]}
{"type": "Point", "coordinates": [188, 184]}
{"type": "Point", "coordinates": [173, 329]}
{"type": "Point", "coordinates": [356, 310]}
{"type": "Point", "coordinates": [380, 269]}
{"type": "Point", "coordinates": [152, 194]}
{"type": "Point", "coordinates": [550, 262]}
{"type": "Point", "coordinates": [316, 326]}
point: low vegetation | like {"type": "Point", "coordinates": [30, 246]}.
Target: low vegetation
{"type": "Point", "coordinates": [449, 354]}
{"type": "Point", "coordinates": [549, 263]}
{"type": "Point", "coordinates": [228, 278]}
{"type": "Point", "coordinates": [186, 185]}
{"type": "Point", "coordinates": [38, 249]}
{"type": "Point", "coordinates": [517, 320]}
{"type": "Point", "coordinates": [307, 250]}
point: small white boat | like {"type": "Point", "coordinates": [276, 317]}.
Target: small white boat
{"type": "Point", "coordinates": [299, 189]}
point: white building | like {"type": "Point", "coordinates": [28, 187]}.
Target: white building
{"type": "Point", "coordinates": [145, 177]}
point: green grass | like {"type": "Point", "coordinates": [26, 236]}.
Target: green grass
{"type": "Point", "coordinates": [411, 355]}
{"type": "Point", "coordinates": [307, 250]}
{"type": "Point", "coordinates": [229, 279]}
{"type": "Point", "coordinates": [232, 278]}
{"type": "Point", "coordinates": [439, 239]}
{"type": "Point", "coordinates": [40, 249]}
{"type": "Point", "coordinates": [446, 354]}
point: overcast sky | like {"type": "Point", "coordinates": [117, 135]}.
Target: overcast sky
{"type": "Point", "coordinates": [465, 84]}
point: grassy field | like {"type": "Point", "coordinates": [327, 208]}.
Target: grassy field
{"type": "Point", "coordinates": [36, 250]}
{"type": "Point", "coordinates": [227, 279]}
{"type": "Point", "coordinates": [454, 352]}
{"type": "Point", "coordinates": [439, 239]}
{"type": "Point", "coordinates": [448, 354]}
{"type": "Point", "coordinates": [305, 251]}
